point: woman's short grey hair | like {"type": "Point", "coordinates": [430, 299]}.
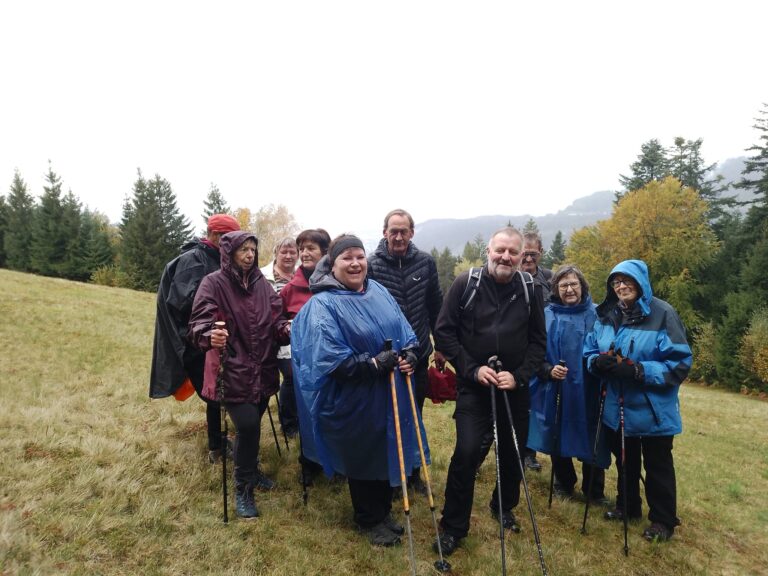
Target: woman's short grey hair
{"type": "Point", "coordinates": [562, 272]}
{"type": "Point", "coordinates": [290, 242]}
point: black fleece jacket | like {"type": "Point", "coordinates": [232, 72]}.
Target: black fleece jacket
{"type": "Point", "coordinates": [498, 323]}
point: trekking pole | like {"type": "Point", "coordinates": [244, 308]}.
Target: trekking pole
{"type": "Point", "coordinates": [396, 414]}
{"type": "Point", "coordinates": [557, 437]}
{"type": "Point", "coordinates": [441, 565]}
{"type": "Point", "coordinates": [623, 465]}
{"type": "Point", "coordinates": [285, 436]}
{"type": "Point", "coordinates": [495, 363]}
{"type": "Point", "coordinates": [221, 325]}
{"type": "Point", "coordinates": [494, 415]}
{"type": "Point", "coordinates": [274, 432]}
{"type": "Point", "coordinates": [603, 392]}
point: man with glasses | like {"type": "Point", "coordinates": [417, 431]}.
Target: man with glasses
{"type": "Point", "coordinates": [532, 251]}
{"type": "Point", "coordinates": [410, 275]}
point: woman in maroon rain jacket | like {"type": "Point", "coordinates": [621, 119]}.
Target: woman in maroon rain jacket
{"type": "Point", "coordinates": [239, 295]}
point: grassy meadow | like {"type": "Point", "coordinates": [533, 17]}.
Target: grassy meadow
{"type": "Point", "coordinates": [97, 479]}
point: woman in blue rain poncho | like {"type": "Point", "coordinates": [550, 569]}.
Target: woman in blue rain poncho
{"type": "Point", "coordinates": [568, 431]}
{"type": "Point", "coordinates": [341, 366]}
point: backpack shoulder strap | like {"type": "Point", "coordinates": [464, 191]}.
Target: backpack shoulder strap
{"type": "Point", "coordinates": [470, 290]}
{"type": "Point", "coordinates": [527, 287]}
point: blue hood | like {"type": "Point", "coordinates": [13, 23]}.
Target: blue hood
{"type": "Point", "coordinates": [638, 271]}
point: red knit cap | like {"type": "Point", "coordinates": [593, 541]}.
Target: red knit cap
{"type": "Point", "coordinates": [222, 223]}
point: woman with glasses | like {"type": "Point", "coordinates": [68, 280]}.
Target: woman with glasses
{"type": "Point", "coordinates": [639, 350]}
{"type": "Point", "coordinates": [564, 396]}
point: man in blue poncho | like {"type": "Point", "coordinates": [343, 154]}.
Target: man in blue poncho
{"type": "Point", "coordinates": [341, 366]}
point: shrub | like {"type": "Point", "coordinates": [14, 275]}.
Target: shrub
{"type": "Point", "coordinates": [753, 352]}
{"type": "Point", "coordinates": [704, 362]}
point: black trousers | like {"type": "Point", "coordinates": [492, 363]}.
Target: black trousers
{"type": "Point", "coordinates": [194, 370]}
{"type": "Point", "coordinates": [371, 501]}
{"type": "Point", "coordinates": [565, 476]}
{"type": "Point", "coordinates": [247, 420]}
{"type": "Point", "coordinates": [289, 419]}
{"type": "Point", "coordinates": [473, 421]}
{"type": "Point", "coordinates": [655, 453]}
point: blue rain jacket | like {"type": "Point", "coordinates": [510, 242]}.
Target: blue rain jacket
{"type": "Point", "coordinates": [574, 435]}
{"type": "Point", "coordinates": [653, 335]}
{"type": "Point", "coordinates": [348, 426]}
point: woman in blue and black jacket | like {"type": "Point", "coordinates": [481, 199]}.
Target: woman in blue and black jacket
{"type": "Point", "coordinates": [639, 350]}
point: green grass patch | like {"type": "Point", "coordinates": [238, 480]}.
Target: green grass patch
{"type": "Point", "coordinates": [97, 479]}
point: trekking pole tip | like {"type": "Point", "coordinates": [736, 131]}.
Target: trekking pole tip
{"type": "Point", "coordinates": [442, 566]}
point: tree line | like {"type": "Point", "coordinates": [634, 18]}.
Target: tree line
{"type": "Point", "coordinates": [707, 255]}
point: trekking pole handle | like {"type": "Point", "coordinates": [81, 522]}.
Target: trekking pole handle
{"type": "Point", "coordinates": [388, 344]}
{"type": "Point", "coordinates": [494, 363]}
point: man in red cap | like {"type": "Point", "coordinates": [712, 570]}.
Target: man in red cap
{"type": "Point", "coordinates": [174, 359]}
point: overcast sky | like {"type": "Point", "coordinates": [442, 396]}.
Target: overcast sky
{"type": "Point", "coordinates": [344, 110]}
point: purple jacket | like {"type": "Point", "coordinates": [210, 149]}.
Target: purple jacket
{"type": "Point", "coordinates": [256, 325]}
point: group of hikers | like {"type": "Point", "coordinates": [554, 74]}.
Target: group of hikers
{"type": "Point", "coordinates": [539, 368]}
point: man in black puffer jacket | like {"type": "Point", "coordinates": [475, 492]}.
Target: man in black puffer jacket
{"type": "Point", "coordinates": [410, 275]}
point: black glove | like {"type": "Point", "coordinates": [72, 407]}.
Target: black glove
{"type": "Point", "coordinates": [604, 364]}
{"type": "Point", "coordinates": [409, 356]}
{"type": "Point", "coordinates": [625, 370]}
{"type": "Point", "coordinates": [385, 360]}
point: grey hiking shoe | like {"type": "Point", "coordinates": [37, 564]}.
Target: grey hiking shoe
{"type": "Point", "coordinates": [380, 535]}
{"type": "Point", "coordinates": [392, 525]}
{"type": "Point", "coordinates": [245, 504]}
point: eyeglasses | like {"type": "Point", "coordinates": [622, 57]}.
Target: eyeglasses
{"type": "Point", "coordinates": [626, 281]}
{"type": "Point", "coordinates": [565, 286]}
{"type": "Point", "coordinates": [531, 255]}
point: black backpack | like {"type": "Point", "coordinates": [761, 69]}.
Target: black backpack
{"type": "Point", "coordinates": [473, 280]}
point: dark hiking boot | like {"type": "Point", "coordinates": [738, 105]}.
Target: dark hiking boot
{"type": "Point", "coordinates": [380, 535]}
{"type": "Point", "coordinates": [262, 483]}
{"type": "Point", "coordinates": [245, 504]}
{"type": "Point", "coordinates": [531, 463]}
{"type": "Point", "coordinates": [617, 514]}
{"type": "Point", "coordinates": [508, 519]}
{"type": "Point", "coordinates": [392, 525]}
{"type": "Point", "coordinates": [657, 532]}
{"type": "Point", "coordinates": [563, 491]}
{"type": "Point", "coordinates": [416, 484]}
{"type": "Point", "coordinates": [448, 544]}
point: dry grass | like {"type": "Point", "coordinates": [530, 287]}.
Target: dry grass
{"type": "Point", "coordinates": [96, 479]}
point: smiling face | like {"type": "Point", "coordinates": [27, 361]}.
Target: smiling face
{"type": "Point", "coordinates": [398, 234]}
{"type": "Point", "coordinates": [530, 258]}
{"type": "Point", "coordinates": [350, 268]}
{"type": "Point", "coordinates": [626, 289]}
{"type": "Point", "coordinates": [504, 253]}
{"type": "Point", "coordinates": [245, 255]}
{"type": "Point", "coordinates": [310, 255]}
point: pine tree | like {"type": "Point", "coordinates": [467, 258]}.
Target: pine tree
{"type": "Point", "coordinates": [214, 204]}
{"type": "Point", "coordinates": [72, 266]}
{"type": "Point", "coordinates": [755, 173]}
{"type": "Point", "coordinates": [48, 248]}
{"type": "Point", "coordinates": [446, 262]}
{"type": "Point", "coordinates": [556, 253]}
{"type": "Point", "coordinates": [474, 251]}
{"type": "Point", "coordinates": [96, 242]}
{"type": "Point", "coordinates": [3, 227]}
{"type": "Point", "coordinates": [531, 227]}
{"type": "Point", "coordinates": [651, 164]}
{"type": "Point", "coordinates": [152, 230]}
{"type": "Point", "coordinates": [18, 235]}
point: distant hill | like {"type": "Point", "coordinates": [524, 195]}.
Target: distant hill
{"type": "Point", "coordinates": [455, 233]}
